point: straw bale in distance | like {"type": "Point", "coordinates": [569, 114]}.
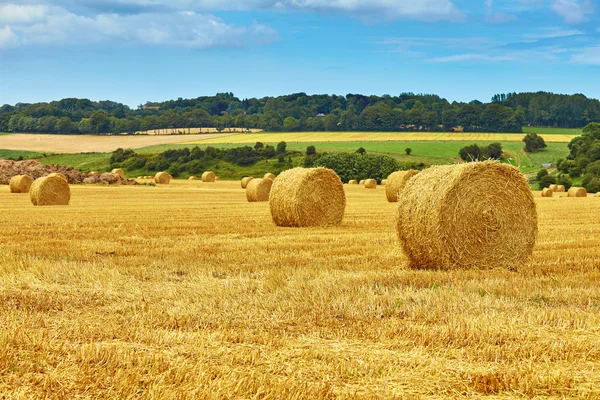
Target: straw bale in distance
{"type": "Point", "coordinates": [560, 188]}
{"type": "Point", "coordinates": [20, 184]}
{"type": "Point", "coordinates": [384, 182]}
{"type": "Point", "coordinates": [208, 176]}
{"type": "Point", "coordinates": [361, 182]}
{"type": "Point", "coordinates": [353, 182]}
{"type": "Point", "coordinates": [258, 190]}
{"type": "Point", "coordinates": [553, 187]}
{"type": "Point", "coordinates": [597, 194]}
{"type": "Point", "coordinates": [307, 197]}
{"type": "Point", "coordinates": [547, 192]}
{"type": "Point", "coordinates": [577, 192]}
{"type": "Point", "coordinates": [270, 176]}
{"type": "Point", "coordinates": [246, 180]}
{"type": "Point", "coordinates": [192, 178]}
{"type": "Point", "coordinates": [50, 191]}
{"type": "Point", "coordinates": [395, 182]}
{"type": "Point", "coordinates": [217, 178]}
{"type": "Point", "coordinates": [162, 178]}
{"type": "Point", "coordinates": [370, 183]}
{"type": "Point", "coordinates": [118, 171]}
{"type": "Point", "coordinates": [454, 216]}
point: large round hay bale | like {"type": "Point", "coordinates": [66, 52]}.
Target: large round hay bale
{"type": "Point", "coordinates": [370, 183]}
{"type": "Point", "coordinates": [560, 189]}
{"type": "Point", "coordinates": [208, 176]}
{"type": "Point", "coordinates": [118, 171]}
{"type": "Point", "coordinates": [258, 190]}
{"type": "Point", "coordinates": [58, 174]}
{"type": "Point", "coordinates": [270, 176]}
{"type": "Point", "coordinates": [395, 182]}
{"type": "Point", "coordinates": [307, 197]}
{"type": "Point", "coordinates": [162, 178]}
{"type": "Point", "coordinates": [552, 187]}
{"type": "Point", "coordinates": [20, 184]}
{"type": "Point", "coordinates": [246, 180]}
{"type": "Point", "coordinates": [577, 192]}
{"type": "Point", "coordinates": [192, 178]}
{"type": "Point", "coordinates": [547, 192]}
{"type": "Point", "coordinates": [453, 216]}
{"type": "Point", "coordinates": [361, 182]}
{"type": "Point", "coordinates": [50, 191]}
{"type": "Point", "coordinates": [353, 182]}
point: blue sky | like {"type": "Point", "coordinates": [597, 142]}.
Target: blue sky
{"type": "Point", "coordinates": [133, 51]}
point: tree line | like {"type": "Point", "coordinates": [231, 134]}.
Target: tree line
{"type": "Point", "coordinates": [302, 112]}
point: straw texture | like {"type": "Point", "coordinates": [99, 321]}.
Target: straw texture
{"type": "Point", "coordinates": [395, 182]}
{"type": "Point", "coordinates": [353, 182]}
{"type": "Point", "coordinates": [162, 178]}
{"type": "Point", "coordinates": [118, 171]}
{"type": "Point", "coordinates": [547, 192]}
{"type": "Point", "coordinates": [577, 192]}
{"type": "Point", "coordinates": [560, 189]}
{"type": "Point", "coordinates": [370, 183]}
{"type": "Point", "coordinates": [245, 181]}
{"type": "Point", "coordinates": [50, 191]}
{"type": "Point", "coordinates": [20, 184]}
{"type": "Point", "coordinates": [258, 190]}
{"type": "Point", "coordinates": [208, 176]}
{"type": "Point", "coordinates": [270, 176]}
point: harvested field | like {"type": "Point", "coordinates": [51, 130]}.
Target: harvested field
{"type": "Point", "coordinates": [101, 299]}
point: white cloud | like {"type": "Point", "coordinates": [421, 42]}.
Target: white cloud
{"type": "Point", "coordinates": [14, 13]}
{"type": "Point", "coordinates": [573, 11]}
{"type": "Point", "coordinates": [473, 57]}
{"type": "Point", "coordinates": [588, 56]}
{"type": "Point", "coordinates": [497, 17]}
{"type": "Point", "coordinates": [7, 38]}
{"type": "Point", "coordinates": [548, 33]}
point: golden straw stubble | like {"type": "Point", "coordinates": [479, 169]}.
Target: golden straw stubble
{"type": "Point", "coordinates": [472, 215]}
{"type": "Point", "coordinates": [303, 197]}
{"type": "Point", "coordinates": [50, 191]}
{"type": "Point", "coordinates": [20, 184]}
{"type": "Point", "coordinates": [258, 190]}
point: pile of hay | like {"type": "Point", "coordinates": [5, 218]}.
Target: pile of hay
{"type": "Point", "coordinates": [547, 192]}
{"type": "Point", "coordinates": [208, 176]}
{"type": "Point", "coordinates": [20, 184]}
{"type": "Point", "coordinates": [270, 176]}
{"type": "Point", "coordinates": [307, 197]}
{"type": "Point", "coordinates": [370, 183]}
{"type": "Point", "coordinates": [162, 178]}
{"type": "Point", "coordinates": [192, 178]}
{"type": "Point", "coordinates": [353, 182]}
{"type": "Point", "coordinates": [118, 171]}
{"type": "Point", "coordinates": [454, 216]}
{"type": "Point", "coordinates": [246, 180]}
{"type": "Point", "coordinates": [577, 192]}
{"type": "Point", "coordinates": [50, 191]}
{"type": "Point", "coordinates": [396, 181]}
{"type": "Point", "coordinates": [258, 190]}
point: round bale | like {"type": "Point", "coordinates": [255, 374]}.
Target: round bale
{"type": "Point", "coordinates": [361, 182]}
{"type": "Point", "coordinates": [118, 171]}
{"type": "Point", "coordinates": [395, 182]}
{"type": "Point", "coordinates": [547, 192]}
{"type": "Point", "coordinates": [162, 178]}
{"type": "Point", "coordinates": [192, 178]}
{"type": "Point", "coordinates": [307, 197]}
{"type": "Point", "coordinates": [384, 182]}
{"type": "Point", "coordinates": [577, 192]}
{"type": "Point", "coordinates": [246, 180]}
{"type": "Point", "coordinates": [553, 187]}
{"type": "Point", "coordinates": [597, 194]}
{"type": "Point", "coordinates": [270, 176]}
{"type": "Point", "coordinates": [20, 184]}
{"type": "Point", "coordinates": [217, 178]}
{"type": "Point", "coordinates": [208, 176]}
{"type": "Point", "coordinates": [560, 189]}
{"type": "Point", "coordinates": [59, 175]}
{"type": "Point", "coordinates": [370, 183]}
{"type": "Point", "coordinates": [353, 182]}
{"type": "Point", "coordinates": [50, 191]}
{"type": "Point", "coordinates": [258, 190]}
{"type": "Point", "coordinates": [453, 216]}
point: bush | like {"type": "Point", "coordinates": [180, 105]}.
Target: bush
{"type": "Point", "coordinates": [593, 186]}
{"type": "Point", "coordinates": [470, 153]}
{"type": "Point", "coordinates": [259, 146]}
{"type": "Point", "coordinates": [494, 151]}
{"type": "Point", "coordinates": [310, 150]}
{"type": "Point", "coordinates": [547, 181]}
{"type": "Point", "coordinates": [357, 166]}
{"type": "Point", "coordinates": [565, 181]}
{"type": "Point", "coordinates": [408, 150]}
{"type": "Point", "coordinates": [533, 142]}
{"type": "Point", "coordinates": [541, 173]}
{"type": "Point", "coordinates": [270, 151]}
{"type": "Point", "coordinates": [361, 150]}
{"type": "Point", "coordinates": [281, 146]}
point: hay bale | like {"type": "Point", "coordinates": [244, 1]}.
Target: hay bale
{"type": "Point", "coordinates": [58, 174]}
{"type": "Point", "coordinates": [246, 180]}
{"type": "Point", "coordinates": [162, 178]}
{"type": "Point", "coordinates": [192, 178]}
{"type": "Point", "coordinates": [50, 191]}
{"type": "Point", "coordinates": [307, 197]}
{"type": "Point", "coordinates": [547, 192]}
{"type": "Point", "coordinates": [258, 190]}
{"type": "Point", "coordinates": [361, 182]}
{"type": "Point", "coordinates": [395, 182]}
{"type": "Point", "coordinates": [597, 194]}
{"type": "Point", "coordinates": [118, 171]}
{"type": "Point", "coordinates": [353, 182]}
{"type": "Point", "coordinates": [270, 176]}
{"type": "Point", "coordinates": [560, 189]}
{"type": "Point", "coordinates": [454, 216]}
{"type": "Point", "coordinates": [20, 184]}
{"type": "Point", "coordinates": [384, 182]}
{"type": "Point", "coordinates": [552, 187]}
{"type": "Point", "coordinates": [217, 178]}
{"type": "Point", "coordinates": [370, 183]}
{"type": "Point", "coordinates": [208, 176]}
{"type": "Point", "coordinates": [577, 192]}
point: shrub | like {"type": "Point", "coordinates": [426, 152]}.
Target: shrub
{"type": "Point", "coordinates": [310, 150]}
{"type": "Point", "coordinates": [408, 150]}
{"type": "Point", "coordinates": [593, 186]}
{"type": "Point", "coordinates": [357, 166]}
{"type": "Point", "coordinates": [547, 181]}
{"type": "Point", "coordinates": [565, 181]}
{"type": "Point", "coordinates": [533, 142]}
{"type": "Point", "coordinates": [541, 173]}
{"type": "Point", "coordinates": [470, 153]}
{"type": "Point", "coordinates": [361, 150]}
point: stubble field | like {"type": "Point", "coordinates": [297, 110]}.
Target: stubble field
{"type": "Point", "coordinates": [188, 291]}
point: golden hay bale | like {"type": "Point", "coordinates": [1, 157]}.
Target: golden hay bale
{"type": "Point", "coordinates": [453, 216]}
{"type": "Point", "coordinates": [307, 197]}
{"type": "Point", "coordinates": [353, 182]}
{"type": "Point", "coordinates": [192, 178]}
{"type": "Point", "coordinates": [560, 189]}
{"type": "Point", "coordinates": [20, 184]}
{"type": "Point", "coordinates": [577, 192]}
{"type": "Point", "coordinates": [270, 176]}
{"type": "Point", "coordinates": [547, 192]}
{"type": "Point", "coordinates": [552, 187]}
{"type": "Point", "coordinates": [118, 171]}
{"type": "Point", "coordinates": [258, 190]}
{"type": "Point", "coordinates": [50, 191]}
{"type": "Point", "coordinates": [217, 178]}
{"type": "Point", "coordinates": [384, 182]}
{"type": "Point", "coordinates": [59, 175]}
{"type": "Point", "coordinates": [361, 182]}
{"type": "Point", "coordinates": [94, 173]}
{"type": "Point", "coordinates": [162, 177]}
{"type": "Point", "coordinates": [208, 176]}
{"type": "Point", "coordinates": [597, 194]}
{"type": "Point", "coordinates": [246, 180]}
{"type": "Point", "coordinates": [370, 183]}
{"type": "Point", "coordinates": [395, 182]}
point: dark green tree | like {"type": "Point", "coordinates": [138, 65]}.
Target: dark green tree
{"type": "Point", "coordinates": [533, 142]}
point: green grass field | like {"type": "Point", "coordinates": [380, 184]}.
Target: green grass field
{"type": "Point", "coordinates": [14, 154]}
{"type": "Point", "coordinates": [552, 131]}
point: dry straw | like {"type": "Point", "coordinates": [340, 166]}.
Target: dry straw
{"type": "Point", "coordinates": [258, 190]}
{"type": "Point", "coordinates": [479, 215]}
{"type": "Point", "coordinates": [118, 171]}
{"type": "Point", "coordinates": [370, 183]}
{"type": "Point", "coordinates": [577, 192]}
{"type": "Point", "coordinates": [270, 176]}
{"type": "Point", "coordinates": [246, 180]}
{"type": "Point", "coordinates": [208, 176]}
{"type": "Point", "coordinates": [353, 182]}
{"type": "Point", "coordinates": [361, 182]}
{"type": "Point", "coordinates": [192, 178]}
{"type": "Point", "coordinates": [50, 191]}
{"type": "Point", "coordinates": [553, 188]}
{"type": "Point", "coordinates": [597, 194]}
{"type": "Point", "coordinates": [395, 182]}
{"type": "Point", "coordinates": [307, 197]}
{"type": "Point", "coordinates": [59, 175]}
{"type": "Point", "coordinates": [384, 182]}
{"type": "Point", "coordinates": [20, 184]}
{"type": "Point", "coordinates": [547, 192]}
{"type": "Point", "coordinates": [560, 189]}
{"type": "Point", "coordinates": [162, 178]}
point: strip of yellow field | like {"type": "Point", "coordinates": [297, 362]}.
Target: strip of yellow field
{"type": "Point", "coordinates": [374, 137]}
{"type": "Point", "coordinates": [94, 143]}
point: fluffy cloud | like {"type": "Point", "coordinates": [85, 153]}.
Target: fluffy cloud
{"type": "Point", "coordinates": [573, 11]}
